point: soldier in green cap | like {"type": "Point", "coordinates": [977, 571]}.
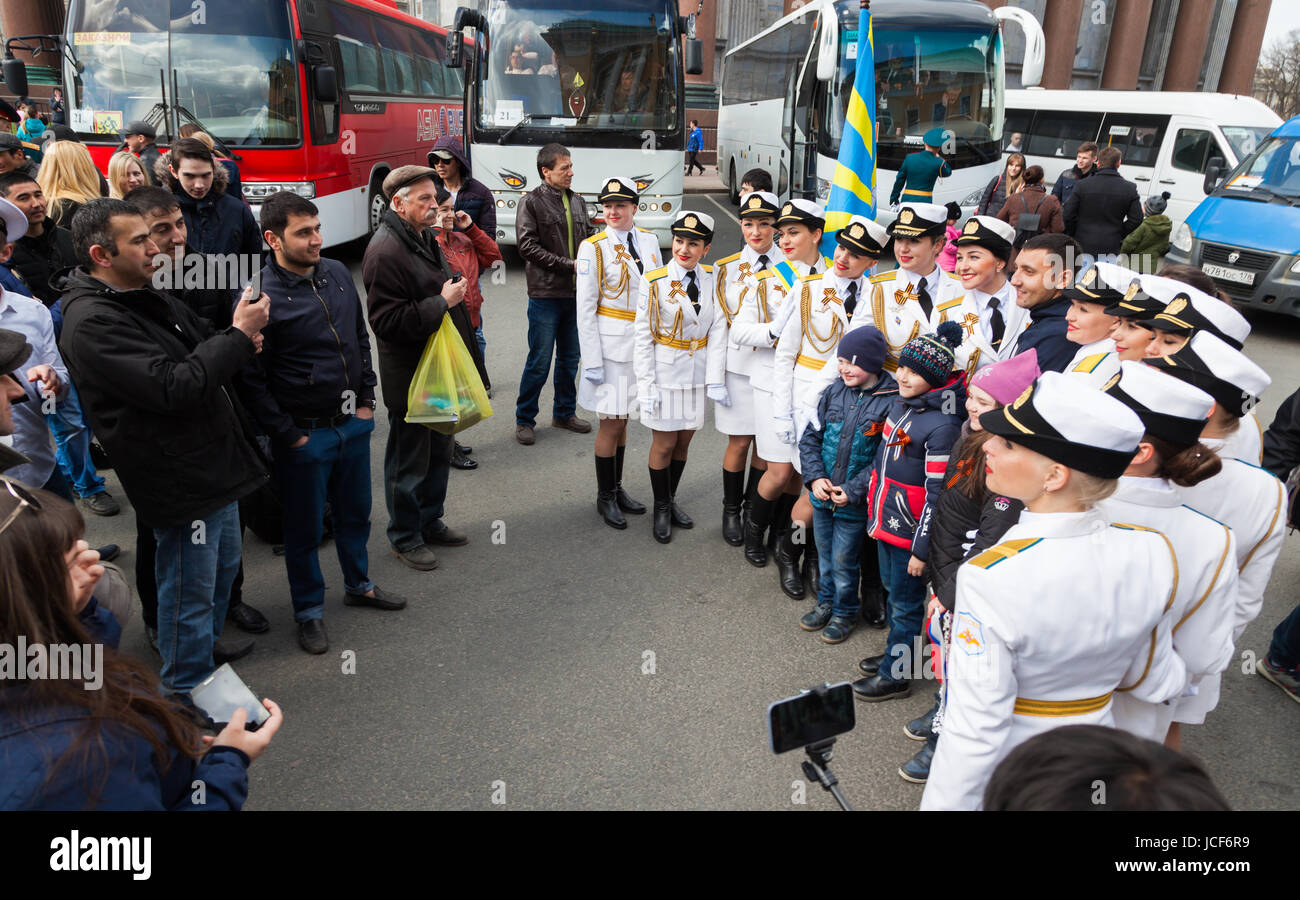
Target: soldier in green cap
{"type": "Point", "coordinates": [915, 180]}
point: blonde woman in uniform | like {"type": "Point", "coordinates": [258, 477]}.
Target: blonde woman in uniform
{"type": "Point", "coordinates": [680, 345]}
{"type": "Point", "coordinates": [609, 266]}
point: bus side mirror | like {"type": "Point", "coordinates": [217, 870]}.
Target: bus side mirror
{"type": "Point", "coordinates": [694, 56]}
{"type": "Point", "coordinates": [15, 72]}
{"type": "Point", "coordinates": [325, 84]}
{"type": "Point", "coordinates": [1212, 172]}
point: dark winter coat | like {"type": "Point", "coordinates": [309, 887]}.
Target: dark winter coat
{"type": "Point", "coordinates": [155, 384]}
{"type": "Point", "coordinates": [1046, 334]}
{"type": "Point", "coordinates": [909, 466]}
{"type": "Point", "coordinates": [993, 197]}
{"type": "Point", "coordinates": [39, 259]}
{"type": "Point", "coordinates": [1068, 181]}
{"type": "Point", "coordinates": [404, 273]}
{"type": "Point", "coordinates": [540, 232]}
{"type": "Point", "coordinates": [1148, 242]}
{"type": "Point", "coordinates": [844, 448]}
{"type": "Point", "coordinates": [1102, 211]}
{"type": "Point", "coordinates": [473, 198]}
{"type": "Point", "coordinates": [219, 223]}
{"type": "Point", "coordinates": [315, 348]}
{"type": "Point", "coordinates": [1282, 439]}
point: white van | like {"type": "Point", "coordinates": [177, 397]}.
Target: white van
{"type": "Point", "coordinates": [1167, 138]}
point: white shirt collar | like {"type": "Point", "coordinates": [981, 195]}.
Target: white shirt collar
{"type": "Point", "coordinates": [750, 255]}
{"type": "Point", "coordinates": [982, 299]}
{"type": "Point", "coordinates": [619, 236]}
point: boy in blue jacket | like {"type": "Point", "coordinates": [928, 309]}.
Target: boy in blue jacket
{"type": "Point", "coordinates": [907, 475]}
{"type": "Point", "coordinates": [836, 460]}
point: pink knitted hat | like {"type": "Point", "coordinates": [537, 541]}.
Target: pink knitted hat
{"type": "Point", "coordinates": [1006, 380]}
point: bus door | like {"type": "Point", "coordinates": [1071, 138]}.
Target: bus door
{"type": "Point", "coordinates": [799, 126]}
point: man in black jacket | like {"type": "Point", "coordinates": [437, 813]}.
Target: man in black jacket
{"type": "Point", "coordinates": [217, 222]}
{"type": "Point", "coordinates": [313, 392]}
{"type": "Point", "coordinates": [157, 387]}
{"type": "Point", "coordinates": [552, 224]}
{"type": "Point", "coordinates": [1102, 210]}
{"type": "Point", "coordinates": [410, 294]}
{"type": "Point", "coordinates": [1045, 266]}
{"type": "Point", "coordinates": [1085, 159]}
{"type": "Point", "coordinates": [46, 249]}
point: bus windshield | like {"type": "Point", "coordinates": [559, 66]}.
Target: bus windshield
{"type": "Point", "coordinates": [1272, 171]}
{"type": "Point", "coordinates": [950, 78]}
{"type": "Point", "coordinates": [230, 66]}
{"type": "Point", "coordinates": [608, 68]}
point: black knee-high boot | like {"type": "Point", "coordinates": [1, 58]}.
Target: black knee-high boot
{"type": "Point", "coordinates": [760, 516]}
{"type": "Point", "coordinates": [606, 499]}
{"type": "Point", "coordinates": [787, 561]}
{"type": "Point", "coordinates": [780, 519]}
{"type": "Point", "coordinates": [661, 484]}
{"type": "Point", "coordinates": [732, 498]}
{"type": "Point", "coordinates": [751, 491]}
{"type": "Point", "coordinates": [871, 590]}
{"type": "Point", "coordinates": [625, 503]}
{"type": "Point", "coordinates": [680, 519]}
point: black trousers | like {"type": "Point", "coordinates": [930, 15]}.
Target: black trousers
{"type": "Point", "coordinates": [693, 161]}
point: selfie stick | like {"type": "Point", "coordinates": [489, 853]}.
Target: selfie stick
{"type": "Point", "coordinates": [817, 767]}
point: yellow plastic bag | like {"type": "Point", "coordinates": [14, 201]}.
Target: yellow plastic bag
{"type": "Point", "coordinates": [447, 393]}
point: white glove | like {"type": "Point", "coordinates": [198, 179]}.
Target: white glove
{"type": "Point", "coordinates": [814, 420]}
{"type": "Point", "coordinates": [718, 393]}
{"type": "Point", "coordinates": [596, 374]}
{"type": "Point", "coordinates": [893, 207]}
{"type": "Point", "coordinates": [649, 403]}
{"type": "Point", "coordinates": [787, 310]}
{"type": "Point", "coordinates": [785, 429]}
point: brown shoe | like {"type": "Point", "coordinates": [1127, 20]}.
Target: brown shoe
{"type": "Point", "coordinates": [524, 435]}
{"type": "Point", "coordinates": [572, 423]}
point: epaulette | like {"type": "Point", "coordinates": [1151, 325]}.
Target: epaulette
{"type": "Point", "coordinates": [656, 274]}
{"type": "Point", "coordinates": [726, 259]}
{"type": "Point", "coordinates": [817, 277]}
{"type": "Point", "coordinates": [766, 273]}
{"type": "Point", "coordinates": [953, 275]}
{"type": "Point", "coordinates": [883, 277]}
{"type": "Point", "coordinates": [644, 230]}
{"type": "Point", "coordinates": [1208, 516]}
{"type": "Point", "coordinates": [944, 307]}
{"type": "Point", "coordinates": [1089, 363]}
{"type": "Point", "coordinates": [1007, 549]}
{"type": "Point", "coordinates": [594, 238]}
{"type": "Point", "coordinates": [708, 269]}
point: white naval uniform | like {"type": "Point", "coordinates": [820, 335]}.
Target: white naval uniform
{"type": "Point", "coordinates": [1047, 625]}
{"type": "Point", "coordinates": [1098, 362]}
{"type": "Point", "coordinates": [1247, 442]}
{"type": "Point", "coordinates": [806, 351]}
{"type": "Point", "coordinates": [607, 280]}
{"type": "Point", "coordinates": [753, 327]}
{"type": "Point", "coordinates": [1200, 621]}
{"type": "Point", "coordinates": [678, 352]}
{"type": "Point", "coordinates": [971, 311]}
{"type": "Point", "coordinates": [893, 307]}
{"type": "Point", "coordinates": [736, 286]}
{"type": "Point", "coordinates": [1251, 502]}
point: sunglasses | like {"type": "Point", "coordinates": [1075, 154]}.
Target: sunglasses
{"type": "Point", "coordinates": [23, 496]}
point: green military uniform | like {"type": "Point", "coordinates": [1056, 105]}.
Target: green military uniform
{"type": "Point", "coordinates": [919, 171]}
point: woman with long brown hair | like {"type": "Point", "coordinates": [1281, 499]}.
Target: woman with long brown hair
{"type": "Point", "coordinates": [1003, 186]}
{"type": "Point", "coordinates": [98, 736]}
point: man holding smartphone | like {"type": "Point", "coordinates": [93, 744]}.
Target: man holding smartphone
{"type": "Point", "coordinates": [410, 294]}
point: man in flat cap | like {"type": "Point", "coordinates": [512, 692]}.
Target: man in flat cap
{"type": "Point", "coordinates": [410, 294]}
{"type": "Point", "coordinates": [138, 137]}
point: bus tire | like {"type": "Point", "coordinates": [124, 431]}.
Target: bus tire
{"type": "Point", "coordinates": [733, 189]}
{"type": "Point", "coordinates": [377, 204]}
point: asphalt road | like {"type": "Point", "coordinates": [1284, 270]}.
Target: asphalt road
{"type": "Point", "coordinates": [556, 663]}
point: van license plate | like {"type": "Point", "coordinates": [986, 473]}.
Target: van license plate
{"type": "Point", "coordinates": [1240, 276]}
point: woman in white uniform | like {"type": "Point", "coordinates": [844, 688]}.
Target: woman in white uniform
{"type": "Point", "coordinates": [679, 348]}
{"type": "Point", "coordinates": [1089, 325]}
{"type": "Point", "coordinates": [740, 300]}
{"type": "Point", "coordinates": [609, 266]}
{"type": "Point", "coordinates": [1171, 457]}
{"type": "Point", "coordinates": [986, 305]}
{"type": "Point", "coordinates": [1246, 498]}
{"type": "Point", "coordinates": [1051, 621]}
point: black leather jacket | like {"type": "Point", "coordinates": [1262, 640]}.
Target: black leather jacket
{"type": "Point", "coordinates": [540, 233]}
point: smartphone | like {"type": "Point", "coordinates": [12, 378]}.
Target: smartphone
{"type": "Point", "coordinates": [810, 717]}
{"type": "Point", "coordinates": [223, 692]}
{"type": "Point", "coordinates": [453, 279]}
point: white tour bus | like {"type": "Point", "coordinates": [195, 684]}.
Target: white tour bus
{"type": "Point", "coordinates": [785, 93]}
{"type": "Point", "coordinates": [602, 77]}
{"type": "Point", "coordinates": [1167, 138]}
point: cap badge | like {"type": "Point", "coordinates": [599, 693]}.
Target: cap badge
{"type": "Point", "coordinates": [905, 217]}
{"type": "Point", "coordinates": [613, 186]}
{"type": "Point", "coordinates": [971, 227]}
{"type": "Point", "coordinates": [856, 231]}
{"type": "Point", "coordinates": [755, 202]}
{"type": "Point", "coordinates": [1176, 306]}
{"type": "Point", "coordinates": [1020, 401]}
{"type": "Point", "coordinates": [788, 209]}
{"type": "Point", "coordinates": [1132, 292]}
{"type": "Point", "coordinates": [690, 221]}
{"type": "Point", "coordinates": [1089, 277]}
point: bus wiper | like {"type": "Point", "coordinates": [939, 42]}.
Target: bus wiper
{"type": "Point", "coordinates": [527, 117]}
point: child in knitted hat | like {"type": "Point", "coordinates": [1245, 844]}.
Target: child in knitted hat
{"type": "Point", "coordinates": [907, 476]}
{"type": "Point", "coordinates": [1150, 240]}
{"type": "Point", "coordinates": [835, 460]}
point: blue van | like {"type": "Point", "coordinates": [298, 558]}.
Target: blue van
{"type": "Point", "coordinates": [1246, 233]}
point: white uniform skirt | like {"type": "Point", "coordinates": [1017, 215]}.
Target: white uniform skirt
{"type": "Point", "coordinates": [616, 396]}
{"type": "Point", "coordinates": [766, 443]}
{"type": "Point", "coordinates": [679, 410]}
{"type": "Point", "coordinates": [738, 418]}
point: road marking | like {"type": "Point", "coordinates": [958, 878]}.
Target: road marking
{"type": "Point", "coordinates": [728, 213]}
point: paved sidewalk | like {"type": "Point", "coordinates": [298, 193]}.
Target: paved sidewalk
{"type": "Point", "coordinates": [708, 183]}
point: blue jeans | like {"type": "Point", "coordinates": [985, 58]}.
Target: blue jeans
{"type": "Point", "coordinates": [1285, 648]}
{"type": "Point", "coordinates": [333, 464]}
{"type": "Point", "coordinates": [195, 566]}
{"type": "Point", "coordinates": [552, 326]}
{"type": "Point", "coordinates": [839, 548]}
{"type": "Point", "coordinates": [72, 446]}
{"type": "Point", "coordinates": [482, 341]}
{"type": "Point", "coordinates": [417, 461]}
{"type": "Point", "coordinates": [905, 608]}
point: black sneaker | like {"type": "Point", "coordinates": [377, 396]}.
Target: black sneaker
{"type": "Point", "coordinates": [875, 689]}
{"type": "Point", "coordinates": [817, 618]}
{"type": "Point", "coordinates": [919, 728]}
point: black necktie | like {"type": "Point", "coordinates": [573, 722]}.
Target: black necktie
{"type": "Point", "coordinates": [999, 326]}
{"type": "Point", "coordinates": [693, 291]}
{"type": "Point", "coordinates": [812, 270]}
{"type": "Point", "coordinates": [631, 246]}
{"type": "Point", "coordinates": [852, 302]}
{"type": "Point", "coordinates": [924, 296]}
{"type": "Point", "coordinates": [762, 262]}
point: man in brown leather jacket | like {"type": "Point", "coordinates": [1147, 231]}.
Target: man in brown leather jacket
{"type": "Point", "coordinates": [552, 223]}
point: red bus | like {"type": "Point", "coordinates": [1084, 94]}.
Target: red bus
{"type": "Point", "coordinates": [321, 97]}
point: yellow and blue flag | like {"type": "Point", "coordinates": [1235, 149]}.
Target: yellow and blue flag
{"type": "Point", "coordinates": [853, 189]}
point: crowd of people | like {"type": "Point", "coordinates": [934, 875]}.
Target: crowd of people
{"type": "Point", "coordinates": [909, 446]}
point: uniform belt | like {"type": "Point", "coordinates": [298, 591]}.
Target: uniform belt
{"type": "Point", "coordinates": [1026, 707]}
{"type": "Point", "coordinates": [810, 362]}
{"type": "Point", "coordinates": [918, 193]}
{"type": "Point", "coordinates": [679, 344]}
{"type": "Point", "coordinates": [321, 421]}
{"type": "Point", "coordinates": [627, 315]}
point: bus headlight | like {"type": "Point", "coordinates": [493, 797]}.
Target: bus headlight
{"type": "Point", "coordinates": [257, 191]}
{"type": "Point", "coordinates": [1183, 239]}
{"type": "Point", "coordinates": [823, 189]}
